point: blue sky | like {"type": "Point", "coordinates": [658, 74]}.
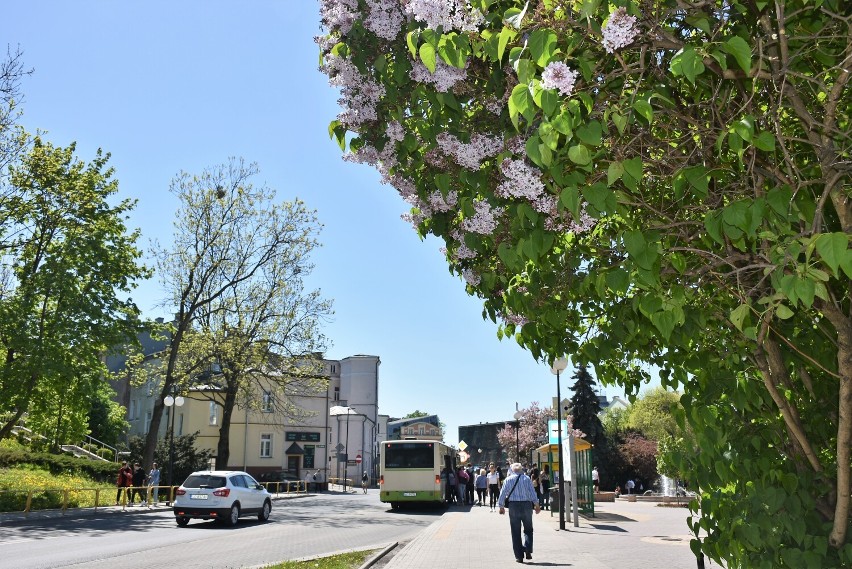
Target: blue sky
{"type": "Point", "coordinates": [167, 86]}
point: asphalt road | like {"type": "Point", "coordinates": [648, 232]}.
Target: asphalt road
{"type": "Point", "coordinates": [311, 526]}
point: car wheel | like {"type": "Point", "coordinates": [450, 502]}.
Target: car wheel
{"type": "Point", "coordinates": [263, 514]}
{"type": "Point", "coordinates": [182, 521]}
{"type": "Point", "coordinates": [234, 517]}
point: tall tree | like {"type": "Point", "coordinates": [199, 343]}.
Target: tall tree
{"type": "Point", "coordinates": [234, 273]}
{"type": "Point", "coordinates": [68, 259]}
{"type": "Point", "coordinates": [644, 182]}
{"type": "Point", "coordinates": [586, 407]}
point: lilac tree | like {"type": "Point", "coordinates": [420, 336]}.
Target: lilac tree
{"type": "Point", "coordinates": [643, 182]}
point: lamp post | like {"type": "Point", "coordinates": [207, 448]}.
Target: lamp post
{"type": "Point", "coordinates": [336, 411]}
{"type": "Point", "coordinates": [372, 441]}
{"type": "Point", "coordinates": [517, 416]}
{"type": "Point", "coordinates": [172, 402]}
{"type": "Point", "coordinates": [558, 365]}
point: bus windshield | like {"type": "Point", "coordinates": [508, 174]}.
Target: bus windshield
{"type": "Point", "coordinates": [410, 455]}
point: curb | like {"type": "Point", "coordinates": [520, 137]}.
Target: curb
{"type": "Point", "coordinates": [372, 561]}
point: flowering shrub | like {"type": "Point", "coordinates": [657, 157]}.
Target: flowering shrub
{"type": "Point", "coordinates": [643, 183]}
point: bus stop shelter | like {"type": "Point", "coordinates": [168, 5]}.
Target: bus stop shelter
{"type": "Point", "coordinates": [548, 456]}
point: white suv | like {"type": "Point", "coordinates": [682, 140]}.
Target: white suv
{"type": "Point", "coordinates": [223, 495]}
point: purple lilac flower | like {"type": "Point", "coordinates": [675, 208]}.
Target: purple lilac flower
{"type": "Point", "coordinates": [447, 14]}
{"type": "Point", "coordinates": [385, 19]}
{"type": "Point", "coordinates": [557, 75]}
{"type": "Point", "coordinates": [522, 181]}
{"type": "Point", "coordinates": [484, 221]}
{"type": "Point", "coordinates": [338, 15]}
{"type": "Point", "coordinates": [471, 277]}
{"type": "Point", "coordinates": [472, 154]}
{"type": "Point", "coordinates": [619, 31]}
{"type": "Point", "coordinates": [443, 79]}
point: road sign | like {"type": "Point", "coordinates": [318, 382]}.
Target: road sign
{"type": "Point", "coordinates": [462, 445]}
{"type": "Point", "coordinates": [358, 458]}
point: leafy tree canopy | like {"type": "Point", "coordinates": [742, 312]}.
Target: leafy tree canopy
{"type": "Point", "coordinates": [634, 183]}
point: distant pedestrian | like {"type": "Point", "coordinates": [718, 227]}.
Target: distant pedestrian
{"type": "Point", "coordinates": [596, 478]}
{"type": "Point", "coordinates": [629, 485]}
{"type": "Point", "coordinates": [534, 473]}
{"type": "Point", "coordinates": [124, 481]}
{"type": "Point", "coordinates": [138, 485]}
{"type": "Point", "coordinates": [493, 485]}
{"type": "Point", "coordinates": [461, 480]}
{"type": "Point", "coordinates": [469, 489]}
{"type": "Point", "coordinates": [316, 477]}
{"type": "Point", "coordinates": [365, 480]}
{"type": "Point", "coordinates": [153, 485]}
{"type": "Point", "coordinates": [452, 490]}
{"type": "Point", "coordinates": [519, 496]}
{"type": "Point", "coordinates": [481, 485]}
{"type": "Point", "coordinates": [544, 484]}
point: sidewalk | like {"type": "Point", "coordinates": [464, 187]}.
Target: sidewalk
{"type": "Point", "coordinates": [636, 535]}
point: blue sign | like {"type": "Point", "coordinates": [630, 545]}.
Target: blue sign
{"type": "Point", "coordinates": [553, 433]}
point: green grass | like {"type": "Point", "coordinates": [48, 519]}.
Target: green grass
{"type": "Point", "coordinates": [349, 560]}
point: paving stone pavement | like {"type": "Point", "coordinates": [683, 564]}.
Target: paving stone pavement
{"type": "Point", "coordinates": [633, 535]}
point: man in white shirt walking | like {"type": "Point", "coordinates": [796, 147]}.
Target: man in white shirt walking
{"type": "Point", "coordinates": [518, 494]}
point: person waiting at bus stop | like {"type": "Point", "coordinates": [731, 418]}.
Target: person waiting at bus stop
{"type": "Point", "coordinates": [519, 496]}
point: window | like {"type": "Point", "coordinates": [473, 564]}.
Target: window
{"type": "Point", "coordinates": [409, 455]}
{"type": "Point", "coordinates": [214, 413]}
{"type": "Point", "coordinates": [333, 368]}
{"type": "Point", "coordinates": [266, 445]}
{"type": "Point", "coordinates": [337, 394]}
{"type": "Point", "coordinates": [268, 402]}
{"type": "Point", "coordinates": [147, 421]}
{"type": "Point", "coordinates": [421, 431]}
{"type": "Point", "coordinates": [131, 411]}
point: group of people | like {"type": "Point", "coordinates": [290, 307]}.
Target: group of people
{"type": "Point", "coordinates": [133, 482]}
{"type": "Point", "coordinates": [468, 486]}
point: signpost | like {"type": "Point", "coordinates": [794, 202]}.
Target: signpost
{"type": "Point", "coordinates": [358, 459]}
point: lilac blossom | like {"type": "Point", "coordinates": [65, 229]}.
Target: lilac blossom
{"type": "Point", "coordinates": [395, 132]}
{"type": "Point", "coordinates": [619, 31]}
{"type": "Point", "coordinates": [515, 319]}
{"type": "Point", "coordinates": [472, 154]}
{"type": "Point", "coordinates": [385, 19]}
{"type": "Point", "coordinates": [360, 93]}
{"type": "Point", "coordinates": [446, 14]}
{"type": "Point", "coordinates": [521, 181]}
{"type": "Point", "coordinates": [471, 277]}
{"type": "Point", "coordinates": [338, 15]}
{"type": "Point", "coordinates": [438, 202]}
{"type": "Point", "coordinates": [557, 75]}
{"type": "Point", "coordinates": [484, 221]}
{"type": "Point", "coordinates": [443, 79]}
{"type": "Point", "coordinates": [464, 252]}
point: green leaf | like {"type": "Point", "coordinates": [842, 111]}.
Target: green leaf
{"type": "Point", "coordinates": [642, 253]}
{"type": "Point", "coordinates": [741, 51]}
{"type": "Point", "coordinates": [515, 18]}
{"type": "Point", "coordinates": [764, 141]}
{"type": "Point", "coordinates": [780, 199]}
{"type": "Point", "coordinates": [833, 248]}
{"type": "Point", "coordinates": [783, 312]}
{"type": "Point", "coordinates": [520, 102]}
{"type": "Point", "coordinates": [427, 56]}
{"type": "Point", "coordinates": [542, 44]}
{"type": "Point", "coordinates": [590, 133]}
{"type": "Point", "coordinates": [506, 35]}
{"type": "Point", "coordinates": [579, 154]}
{"type": "Point", "coordinates": [411, 39]}
{"type": "Point", "coordinates": [618, 280]}
{"type": "Point", "coordinates": [596, 194]}
{"type": "Point", "coordinates": [620, 121]}
{"type": "Point", "coordinates": [614, 173]}
{"type": "Point", "coordinates": [687, 63]}
{"type": "Point", "coordinates": [547, 99]}
{"type": "Point", "coordinates": [644, 109]}
{"type": "Point", "coordinates": [665, 322]}
{"type": "Point", "coordinates": [632, 172]}
{"type": "Point", "coordinates": [739, 314]}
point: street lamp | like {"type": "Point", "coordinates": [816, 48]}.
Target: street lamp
{"type": "Point", "coordinates": [517, 416]}
{"type": "Point", "coordinates": [558, 365]}
{"type": "Point", "coordinates": [372, 441]}
{"type": "Point", "coordinates": [172, 403]}
{"type": "Point", "coordinates": [341, 410]}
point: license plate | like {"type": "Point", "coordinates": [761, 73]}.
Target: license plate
{"type": "Point", "coordinates": [198, 496]}
{"type": "Point", "coordinates": [409, 493]}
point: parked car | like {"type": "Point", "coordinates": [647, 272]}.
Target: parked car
{"type": "Point", "coordinates": [223, 495]}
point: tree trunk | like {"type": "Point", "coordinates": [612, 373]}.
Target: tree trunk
{"type": "Point", "coordinates": [223, 448]}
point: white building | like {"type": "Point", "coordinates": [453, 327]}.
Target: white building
{"type": "Point", "coordinates": [340, 445]}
